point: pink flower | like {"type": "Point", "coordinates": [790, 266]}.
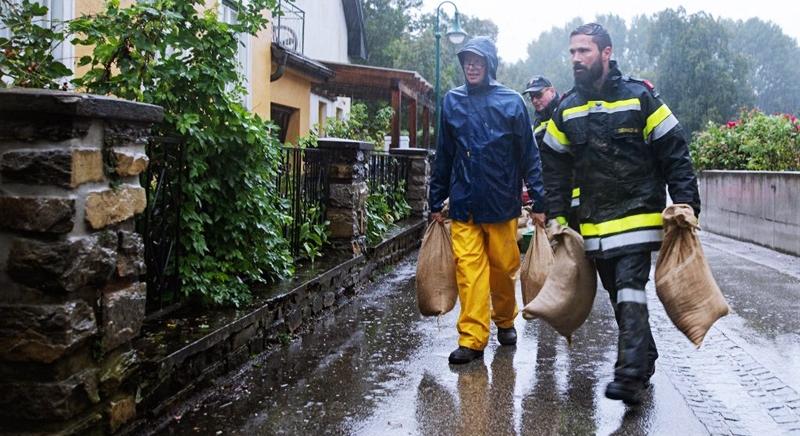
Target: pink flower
{"type": "Point", "coordinates": [732, 124]}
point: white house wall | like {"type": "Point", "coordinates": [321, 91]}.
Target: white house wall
{"type": "Point", "coordinates": [331, 106]}
{"type": "Point", "coordinates": [325, 35]}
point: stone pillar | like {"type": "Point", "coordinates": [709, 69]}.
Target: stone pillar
{"type": "Point", "coordinates": [71, 299]}
{"type": "Point", "coordinates": [419, 176]}
{"type": "Point", "coordinates": [347, 182]}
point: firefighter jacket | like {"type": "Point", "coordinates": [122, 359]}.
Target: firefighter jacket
{"type": "Point", "coordinates": [485, 149]}
{"type": "Point", "coordinates": [625, 146]}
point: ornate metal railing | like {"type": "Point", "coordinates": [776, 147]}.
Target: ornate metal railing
{"type": "Point", "coordinates": [303, 183]}
{"type": "Point", "coordinates": [160, 224]}
{"type": "Point", "coordinates": [289, 27]}
{"type": "Point", "coordinates": [390, 171]}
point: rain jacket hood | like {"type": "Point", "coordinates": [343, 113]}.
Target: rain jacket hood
{"type": "Point", "coordinates": [485, 149]}
{"type": "Point", "coordinates": [481, 46]}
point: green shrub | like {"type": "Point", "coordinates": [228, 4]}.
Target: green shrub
{"type": "Point", "coordinates": [178, 55]}
{"type": "Point", "coordinates": [361, 126]}
{"type": "Point", "coordinates": [383, 213]}
{"type": "Point", "coordinates": [756, 142]}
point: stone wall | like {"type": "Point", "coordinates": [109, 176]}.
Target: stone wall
{"type": "Point", "coordinates": [190, 363]}
{"type": "Point", "coordinates": [70, 261]}
{"type": "Point", "coordinates": [418, 178]}
{"type": "Point", "coordinates": [762, 207]}
{"type": "Point", "coordinates": [347, 183]}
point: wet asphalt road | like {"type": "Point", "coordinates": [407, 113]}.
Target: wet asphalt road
{"type": "Point", "coordinates": [376, 367]}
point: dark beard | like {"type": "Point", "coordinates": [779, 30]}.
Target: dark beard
{"type": "Point", "coordinates": [586, 78]}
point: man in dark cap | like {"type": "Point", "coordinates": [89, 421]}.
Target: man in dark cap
{"type": "Point", "coordinates": [545, 98]}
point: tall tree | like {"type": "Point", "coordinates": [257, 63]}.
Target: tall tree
{"type": "Point", "coordinates": [548, 56]}
{"type": "Point", "coordinates": [698, 74]}
{"type": "Point", "coordinates": [386, 21]}
{"type": "Point", "coordinates": [773, 60]}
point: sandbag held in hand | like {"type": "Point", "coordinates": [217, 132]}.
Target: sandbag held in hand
{"type": "Point", "coordinates": [566, 298]}
{"type": "Point", "coordinates": [684, 283]}
{"type": "Point", "coordinates": [437, 289]}
{"type": "Point", "coordinates": [536, 265]}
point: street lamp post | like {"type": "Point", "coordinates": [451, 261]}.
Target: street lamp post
{"type": "Point", "coordinates": [456, 35]}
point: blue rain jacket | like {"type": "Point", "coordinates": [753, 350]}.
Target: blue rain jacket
{"type": "Point", "coordinates": [485, 148]}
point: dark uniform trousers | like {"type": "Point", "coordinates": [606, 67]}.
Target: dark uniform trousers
{"type": "Point", "coordinates": [625, 277]}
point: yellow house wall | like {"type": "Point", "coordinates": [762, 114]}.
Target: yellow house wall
{"type": "Point", "coordinates": [293, 90]}
{"type": "Point", "coordinates": [260, 55]}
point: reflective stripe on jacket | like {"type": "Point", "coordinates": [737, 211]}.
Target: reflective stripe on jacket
{"type": "Point", "coordinates": [550, 162]}
{"type": "Point", "coordinates": [625, 145]}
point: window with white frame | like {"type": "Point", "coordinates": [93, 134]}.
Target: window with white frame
{"type": "Point", "coordinates": [228, 13]}
{"type": "Point", "coordinates": [58, 12]}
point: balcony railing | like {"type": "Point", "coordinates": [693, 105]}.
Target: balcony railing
{"type": "Point", "coordinates": [289, 27]}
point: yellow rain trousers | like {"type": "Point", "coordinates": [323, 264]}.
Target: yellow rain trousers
{"type": "Point", "coordinates": [487, 258]}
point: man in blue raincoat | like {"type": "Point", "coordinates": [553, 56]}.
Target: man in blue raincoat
{"type": "Point", "coordinates": [485, 150]}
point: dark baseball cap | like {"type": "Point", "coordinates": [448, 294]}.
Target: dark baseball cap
{"type": "Point", "coordinates": [536, 84]}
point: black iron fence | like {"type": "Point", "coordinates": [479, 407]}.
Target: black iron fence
{"type": "Point", "coordinates": [303, 183]}
{"type": "Point", "coordinates": [160, 224]}
{"type": "Point", "coordinates": [390, 171]}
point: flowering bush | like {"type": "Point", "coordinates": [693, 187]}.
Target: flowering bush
{"type": "Point", "coordinates": [756, 142]}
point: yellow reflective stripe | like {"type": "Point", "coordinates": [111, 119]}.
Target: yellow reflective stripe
{"type": "Point", "coordinates": [540, 127]}
{"type": "Point", "coordinates": [660, 114]}
{"type": "Point", "coordinates": [622, 224]}
{"type": "Point", "coordinates": [576, 192]}
{"type": "Point", "coordinates": [619, 103]}
{"type": "Point", "coordinates": [601, 106]}
{"type": "Point", "coordinates": [561, 220]}
{"type": "Point", "coordinates": [558, 135]}
{"type": "Point", "coordinates": [576, 109]}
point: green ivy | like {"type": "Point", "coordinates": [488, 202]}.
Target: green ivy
{"type": "Point", "coordinates": [755, 142]}
{"type": "Point", "coordinates": [176, 54]}
{"type": "Point", "coordinates": [313, 234]}
{"type": "Point", "coordinates": [381, 213]}
{"type": "Point", "coordinates": [26, 57]}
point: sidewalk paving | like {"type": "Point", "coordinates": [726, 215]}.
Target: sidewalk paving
{"type": "Point", "coordinates": [377, 367]}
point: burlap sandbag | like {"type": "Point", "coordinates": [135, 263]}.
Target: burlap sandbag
{"type": "Point", "coordinates": [568, 293]}
{"type": "Point", "coordinates": [437, 290]}
{"type": "Point", "coordinates": [684, 283]}
{"type": "Point", "coordinates": [536, 265]}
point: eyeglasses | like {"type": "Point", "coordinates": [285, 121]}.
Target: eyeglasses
{"type": "Point", "coordinates": [535, 95]}
{"type": "Point", "coordinates": [475, 65]}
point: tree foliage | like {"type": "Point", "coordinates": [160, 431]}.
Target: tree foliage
{"type": "Point", "coordinates": [177, 54]}
{"type": "Point", "coordinates": [705, 68]}
{"type": "Point", "coordinates": [773, 60]}
{"type": "Point", "coordinates": [699, 75]}
{"type": "Point", "coordinates": [26, 56]}
{"type": "Point", "coordinates": [386, 21]}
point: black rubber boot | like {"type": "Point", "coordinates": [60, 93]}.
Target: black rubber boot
{"type": "Point", "coordinates": [628, 390]}
{"type": "Point", "coordinates": [652, 351]}
{"type": "Point", "coordinates": [463, 355]}
{"type": "Point", "coordinates": [634, 361]}
{"type": "Point", "coordinates": [507, 336]}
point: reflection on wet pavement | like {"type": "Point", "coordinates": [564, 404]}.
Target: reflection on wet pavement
{"type": "Point", "coordinates": [377, 367]}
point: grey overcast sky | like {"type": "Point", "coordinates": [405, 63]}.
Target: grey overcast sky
{"type": "Point", "coordinates": [521, 21]}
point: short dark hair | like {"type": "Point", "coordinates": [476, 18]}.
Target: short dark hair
{"type": "Point", "coordinates": [598, 33]}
